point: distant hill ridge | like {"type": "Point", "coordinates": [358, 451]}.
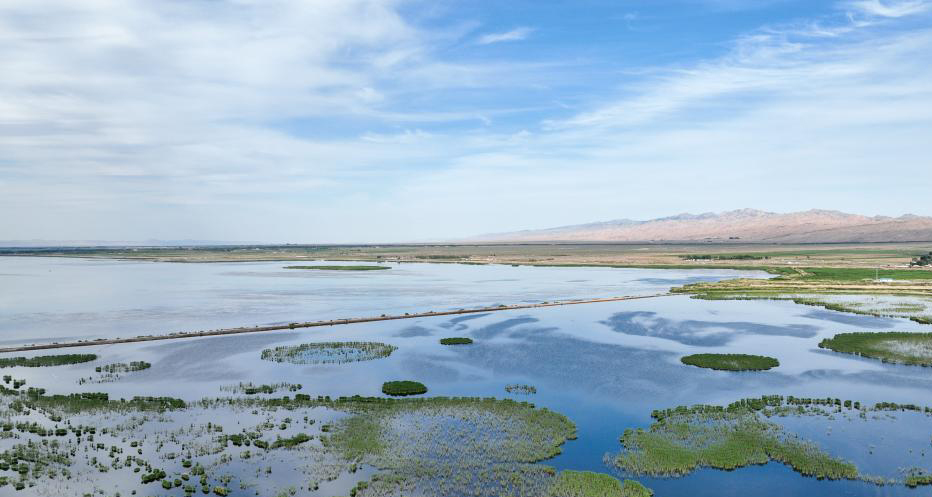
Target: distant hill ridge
{"type": "Point", "coordinates": [750, 225]}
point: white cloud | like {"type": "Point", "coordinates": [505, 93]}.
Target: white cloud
{"type": "Point", "coordinates": [219, 120]}
{"type": "Point", "coordinates": [891, 8]}
{"type": "Point", "coordinates": [516, 34]}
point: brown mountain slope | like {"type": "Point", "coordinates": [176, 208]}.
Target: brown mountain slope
{"type": "Point", "coordinates": [749, 225]}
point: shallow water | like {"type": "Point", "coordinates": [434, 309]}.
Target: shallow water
{"type": "Point", "coordinates": [59, 299]}
{"type": "Point", "coordinates": [604, 365]}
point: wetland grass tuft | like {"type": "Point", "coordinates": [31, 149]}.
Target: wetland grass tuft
{"type": "Point", "coordinates": [455, 341]}
{"type": "Point", "coordinates": [123, 367]}
{"type": "Point", "coordinates": [46, 360]}
{"type": "Point", "coordinates": [731, 362]}
{"type": "Point", "coordinates": [403, 388]}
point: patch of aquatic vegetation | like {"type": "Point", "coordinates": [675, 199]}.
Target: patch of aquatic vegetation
{"type": "Point", "coordinates": [328, 352]}
{"type": "Point", "coordinates": [455, 341]}
{"type": "Point", "coordinates": [46, 360]}
{"type": "Point", "coordinates": [686, 438]}
{"type": "Point", "coordinates": [365, 446]}
{"type": "Point", "coordinates": [90, 444]}
{"type": "Point", "coordinates": [914, 306]}
{"type": "Point", "coordinates": [123, 367]}
{"type": "Point", "coordinates": [340, 268]}
{"type": "Point", "coordinates": [731, 362]}
{"type": "Point", "coordinates": [114, 371]}
{"type": "Point", "coordinates": [253, 389]}
{"type": "Point", "coordinates": [896, 347]}
{"type": "Point", "coordinates": [454, 446]}
{"type": "Point", "coordinates": [590, 484]}
{"type": "Point", "coordinates": [521, 389]}
{"type": "Point", "coordinates": [917, 477]}
{"type": "Point", "coordinates": [403, 387]}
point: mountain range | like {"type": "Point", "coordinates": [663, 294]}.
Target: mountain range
{"type": "Point", "coordinates": [743, 225]}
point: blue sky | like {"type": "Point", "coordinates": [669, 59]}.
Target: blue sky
{"type": "Point", "coordinates": [378, 121]}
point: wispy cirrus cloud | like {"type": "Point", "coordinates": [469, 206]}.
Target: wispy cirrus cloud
{"type": "Point", "coordinates": [890, 8]}
{"type": "Point", "coordinates": [515, 34]}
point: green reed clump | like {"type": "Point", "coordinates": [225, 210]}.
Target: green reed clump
{"type": "Point", "coordinates": [455, 341]}
{"type": "Point", "coordinates": [46, 360]}
{"type": "Point", "coordinates": [731, 362]}
{"type": "Point", "coordinates": [894, 346]}
{"type": "Point", "coordinates": [328, 352]}
{"type": "Point", "coordinates": [291, 442]}
{"type": "Point", "coordinates": [87, 401]}
{"type": "Point", "coordinates": [403, 387]}
{"type": "Point", "coordinates": [589, 484]}
{"type": "Point", "coordinates": [123, 367]}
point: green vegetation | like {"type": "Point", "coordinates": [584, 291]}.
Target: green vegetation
{"type": "Point", "coordinates": [122, 367]}
{"type": "Point", "coordinates": [917, 477]}
{"type": "Point", "coordinates": [253, 389]}
{"type": "Point", "coordinates": [456, 341]}
{"type": "Point", "coordinates": [292, 442]}
{"type": "Point", "coordinates": [328, 352]}
{"type": "Point", "coordinates": [724, 257]}
{"type": "Point", "coordinates": [922, 260]}
{"type": "Point", "coordinates": [46, 360]}
{"type": "Point", "coordinates": [403, 387]}
{"type": "Point", "coordinates": [589, 484]}
{"type": "Point", "coordinates": [794, 281]}
{"type": "Point", "coordinates": [453, 446]}
{"type": "Point", "coordinates": [687, 438]}
{"type": "Point", "coordinates": [896, 347]}
{"type": "Point", "coordinates": [731, 362]}
{"type": "Point", "coordinates": [340, 268]}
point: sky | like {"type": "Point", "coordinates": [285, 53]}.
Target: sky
{"type": "Point", "coordinates": [346, 121]}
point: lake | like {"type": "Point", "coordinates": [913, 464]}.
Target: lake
{"type": "Point", "coordinates": [605, 366]}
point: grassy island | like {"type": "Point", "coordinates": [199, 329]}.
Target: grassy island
{"type": "Point", "coordinates": [404, 387]}
{"type": "Point", "coordinates": [340, 268]}
{"type": "Point", "coordinates": [328, 352]}
{"type": "Point", "coordinates": [895, 347]}
{"type": "Point", "coordinates": [46, 360]}
{"type": "Point", "coordinates": [731, 362]}
{"type": "Point", "coordinates": [686, 438]}
{"type": "Point", "coordinates": [455, 341]}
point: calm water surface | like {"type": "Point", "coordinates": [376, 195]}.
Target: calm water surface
{"type": "Point", "coordinates": [605, 365]}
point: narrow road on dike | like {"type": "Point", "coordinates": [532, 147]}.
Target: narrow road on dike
{"type": "Point", "coordinates": [311, 324]}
